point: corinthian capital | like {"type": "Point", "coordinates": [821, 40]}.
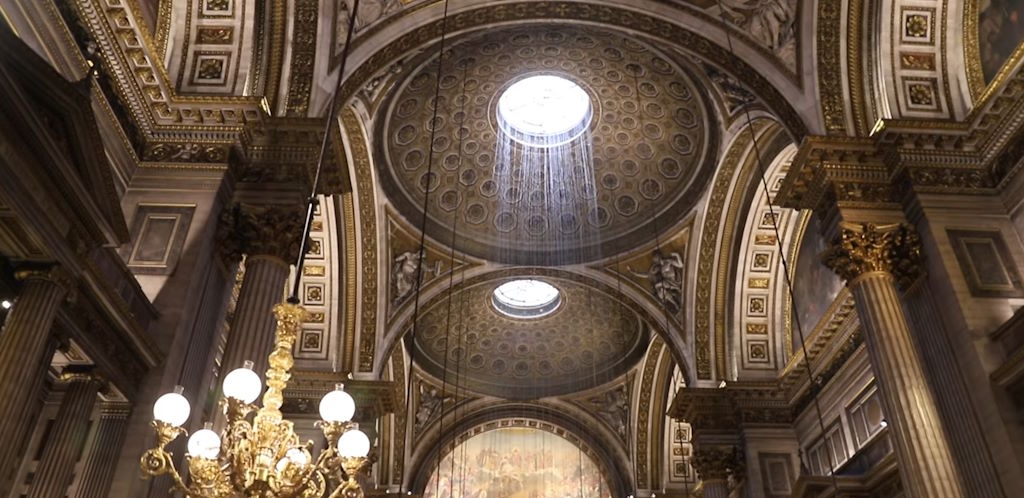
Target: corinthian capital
{"type": "Point", "coordinates": [717, 462]}
{"type": "Point", "coordinates": [864, 248]}
{"type": "Point", "coordinates": [259, 231]}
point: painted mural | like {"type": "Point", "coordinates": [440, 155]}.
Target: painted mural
{"type": "Point", "coordinates": [1000, 31]}
{"type": "Point", "coordinates": [815, 286]}
{"type": "Point", "coordinates": [516, 463]}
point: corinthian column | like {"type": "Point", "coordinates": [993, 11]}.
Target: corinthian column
{"type": "Point", "coordinates": [57, 463]}
{"type": "Point", "coordinates": [25, 344]}
{"type": "Point", "coordinates": [100, 461]}
{"type": "Point", "coordinates": [874, 260]}
{"type": "Point", "coordinates": [269, 237]}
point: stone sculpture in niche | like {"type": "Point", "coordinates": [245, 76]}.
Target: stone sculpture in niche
{"type": "Point", "coordinates": [666, 277]}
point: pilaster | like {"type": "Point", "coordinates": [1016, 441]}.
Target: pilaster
{"type": "Point", "coordinates": [99, 465]}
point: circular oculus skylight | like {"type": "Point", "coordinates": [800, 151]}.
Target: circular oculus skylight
{"type": "Point", "coordinates": [526, 298]}
{"type": "Point", "coordinates": [544, 111]}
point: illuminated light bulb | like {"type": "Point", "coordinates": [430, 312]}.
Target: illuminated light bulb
{"type": "Point", "coordinates": [354, 444]}
{"type": "Point", "coordinates": [337, 406]}
{"type": "Point", "coordinates": [204, 443]}
{"type": "Point", "coordinates": [5, 304]}
{"type": "Point", "coordinates": [172, 408]}
{"type": "Point", "coordinates": [243, 384]}
{"type": "Point", "coordinates": [294, 456]}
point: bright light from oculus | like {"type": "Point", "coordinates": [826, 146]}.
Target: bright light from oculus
{"type": "Point", "coordinates": [526, 298]}
{"type": "Point", "coordinates": [544, 111]}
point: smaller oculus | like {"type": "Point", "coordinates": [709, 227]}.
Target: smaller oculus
{"type": "Point", "coordinates": [526, 298]}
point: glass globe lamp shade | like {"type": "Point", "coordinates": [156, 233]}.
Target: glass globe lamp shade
{"type": "Point", "coordinates": [172, 408]}
{"type": "Point", "coordinates": [294, 456]}
{"type": "Point", "coordinates": [354, 444]}
{"type": "Point", "coordinates": [204, 443]}
{"type": "Point", "coordinates": [337, 406]}
{"type": "Point", "coordinates": [243, 384]}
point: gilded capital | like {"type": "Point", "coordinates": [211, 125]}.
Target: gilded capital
{"type": "Point", "coordinates": [717, 462]}
{"type": "Point", "coordinates": [73, 374]}
{"type": "Point", "coordinates": [862, 248]}
{"type": "Point", "coordinates": [259, 231]}
{"type": "Point", "coordinates": [54, 273]}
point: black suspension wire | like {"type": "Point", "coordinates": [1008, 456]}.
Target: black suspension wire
{"type": "Point", "coordinates": [451, 288]}
{"type": "Point", "coordinates": [332, 113]}
{"type": "Point", "coordinates": [812, 386]}
{"type": "Point", "coordinates": [426, 200]}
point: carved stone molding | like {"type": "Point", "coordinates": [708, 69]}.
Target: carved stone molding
{"type": "Point", "coordinates": [706, 410]}
{"type": "Point", "coordinates": [864, 248]}
{"type": "Point", "coordinates": [259, 230]}
{"type": "Point", "coordinates": [718, 463]}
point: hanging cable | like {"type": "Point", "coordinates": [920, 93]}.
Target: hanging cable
{"type": "Point", "coordinates": [762, 169]}
{"type": "Point", "coordinates": [451, 286]}
{"type": "Point", "coordinates": [426, 200]}
{"type": "Point", "coordinates": [332, 113]}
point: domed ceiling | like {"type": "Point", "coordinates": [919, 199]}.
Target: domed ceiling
{"type": "Point", "coordinates": [654, 158]}
{"type": "Point", "coordinates": [588, 340]}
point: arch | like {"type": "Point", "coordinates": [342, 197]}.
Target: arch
{"type": "Point", "coordinates": [577, 431]}
{"type": "Point", "coordinates": [722, 211]}
{"type": "Point", "coordinates": [400, 326]}
{"type": "Point", "coordinates": [389, 43]}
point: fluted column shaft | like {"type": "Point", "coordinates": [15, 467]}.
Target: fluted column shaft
{"type": "Point", "coordinates": [57, 463]}
{"type": "Point", "coordinates": [921, 445]}
{"type": "Point", "coordinates": [873, 259]}
{"type": "Point", "coordinates": [100, 462]}
{"type": "Point", "coordinates": [716, 488]}
{"type": "Point", "coordinates": [23, 347]}
{"type": "Point", "coordinates": [252, 327]}
{"type": "Point", "coordinates": [269, 237]}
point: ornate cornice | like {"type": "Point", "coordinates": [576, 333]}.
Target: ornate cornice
{"type": "Point", "coordinates": [865, 248]}
{"type": "Point", "coordinates": [374, 398]}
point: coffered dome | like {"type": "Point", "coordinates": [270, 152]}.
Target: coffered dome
{"type": "Point", "coordinates": [589, 338]}
{"type": "Point", "coordinates": [650, 156]}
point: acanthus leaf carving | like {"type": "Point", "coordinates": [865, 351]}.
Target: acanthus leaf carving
{"type": "Point", "coordinates": [864, 248]}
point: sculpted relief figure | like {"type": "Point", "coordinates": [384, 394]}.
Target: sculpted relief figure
{"type": "Point", "coordinates": [405, 271]}
{"type": "Point", "coordinates": [666, 277]}
{"type": "Point", "coordinates": [430, 404]}
{"type": "Point", "coordinates": [770, 22]}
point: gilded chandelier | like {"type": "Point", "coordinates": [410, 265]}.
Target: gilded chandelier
{"type": "Point", "coordinates": [262, 457]}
